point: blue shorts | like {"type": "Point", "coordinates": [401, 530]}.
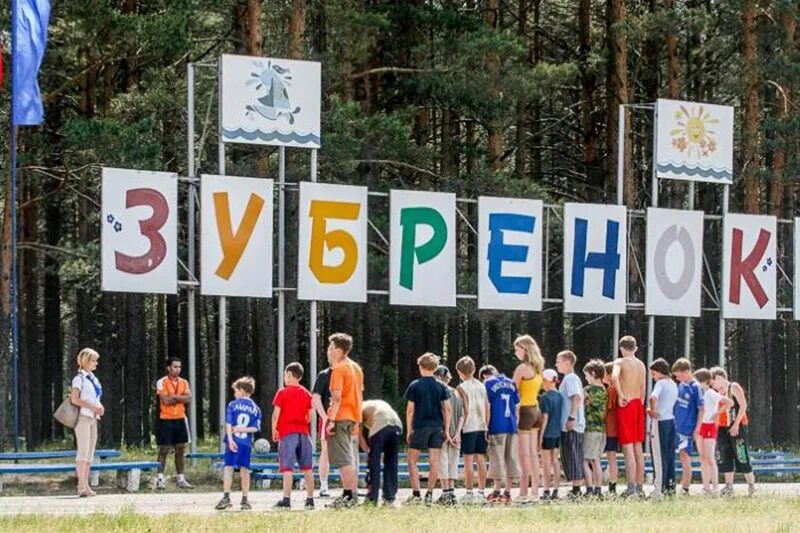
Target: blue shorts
{"type": "Point", "coordinates": [684, 443]}
{"type": "Point", "coordinates": [295, 448]}
{"type": "Point", "coordinates": [612, 444]}
{"type": "Point", "coordinates": [238, 459]}
{"type": "Point", "coordinates": [473, 443]}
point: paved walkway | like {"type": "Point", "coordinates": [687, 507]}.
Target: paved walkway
{"type": "Point", "coordinates": [191, 502]}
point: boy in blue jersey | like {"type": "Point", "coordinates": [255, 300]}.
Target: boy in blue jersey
{"type": "Point", "coordinates": [242, 419]}
{"type": "Point", "coordinates": [502, 412]}
{"type": "Point", "coordinates": [688, 417]}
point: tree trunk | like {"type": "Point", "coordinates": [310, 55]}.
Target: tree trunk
{"type": "Point", "coordinates": [494, 129]}
{"type": "Point", "coordinates": [673, 65]}
{"type": "Point", "coordinates": [617, 90]}
{"type": "Point", "coordinates": [297, 28]}
{"type": "Point", "coordinates": [588, 80]}
{"type": "Point", "coordinates": [751, 142]}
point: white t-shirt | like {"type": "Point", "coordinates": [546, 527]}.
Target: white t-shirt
{"type": "Point", "coordinates": [711, 399]}
{"type": "Point", "coordinates": [476, 397]}
{"type": "Point", "coordinates": [570, 386]}
{"type": "Point", "coordinates": [82, 381]}
{"type": "Point", "coordinates": [665, 392]}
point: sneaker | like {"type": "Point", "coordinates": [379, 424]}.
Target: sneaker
{"type": "Point", "coordinates": [574, 496]}
{"type": "Point", "coordinates": [480, 499]}
{"type": "Point", "coordinates": [413, 500]}
{"type": "Point", "coordinates": [468, 499]}
{"type": "Point", "coordinates": [245, 505]}
{"type": "Point", "coordinates": [493, 497]}
{"type": "Point", "coordinates": [283, 503]}
{"type": "Point", "coordinates": [521, 500]}
{"type": "Point", "coordinates": [441, 500]}
{"type": "Point", "coordinates": [161, 484]}
{"type": "Point", "coordinates": [388, 503]}
{"type": "Point", "coordinates": [309, 503]}
{"type": "Point", "coordinates": [751, 489]}
{"type": "Point", "coordinates": [726, 491]}
{"type": "Point", "coordinates": [428, 498]}
{"type": "Point", "coordinates": [323, 494]}
{"type": "Point", "coordinates": [183, 484]}
{"type": "Point", "coordinates": [545, 497]}
{"type": "Point", "coordinates": [504, 499]}
{"type": "Point", "coordinates": [343, 502]}
{"type": "Point", "coordinates": [448, 499]}
{"type": "Point", "coordinates": [224, 503]}
{"type": "Point", "coordinates": [684, 491]}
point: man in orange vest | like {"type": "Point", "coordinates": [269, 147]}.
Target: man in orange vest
{"type": "Point", "coordinates": [172, 430]}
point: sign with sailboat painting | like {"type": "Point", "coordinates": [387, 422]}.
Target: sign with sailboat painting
{"type": "Point", "coordinates": [270, 101]}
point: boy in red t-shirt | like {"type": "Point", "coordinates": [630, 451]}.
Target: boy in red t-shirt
{"type": "Point", "coordinates": [291, 420]}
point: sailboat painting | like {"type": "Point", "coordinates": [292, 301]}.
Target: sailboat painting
{"type": "Point", "coordinates": [270, 101]}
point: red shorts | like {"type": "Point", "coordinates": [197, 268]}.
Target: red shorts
{"type": "Point", "coordinates": [630, 422]}
{"type": "Point", "coordinates": [708, 430]}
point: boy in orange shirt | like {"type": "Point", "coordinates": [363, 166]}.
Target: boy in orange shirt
{"type": "Point", "coordinates": [612, 444]}
{"type": "Point", "coordinates": [344, 416]}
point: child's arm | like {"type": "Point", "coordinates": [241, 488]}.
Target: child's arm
{"type": "Point", "coordinates": [488, 415]}
{"type": "Point", "coordinates": [621, 398]}
{"type": "Point", "coordinates": [652, 408]}
{"type": "Point", "coordinates": [447, 416]}
{"type": "Point", "coordinates": [459, 426]}
{"type": "Point", "coordinates": [466, 402]}
{"type": "Point", "coordinates": [316, 400]}
{"type": "Point", "coordinates": [545, 418]}
{"type": "Point", "coordinates": [738, 393]}
{"type": "Point", "coordinates": [229, 432]}
{"type": "Point", "coordinates": [276, 413]}
{"type": "Point", "coordinates": [409, 421]}
{"type": "Point", "coordinates": [700, 413]}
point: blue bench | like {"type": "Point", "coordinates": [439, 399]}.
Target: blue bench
{"type": "Point", "coordinates": [128, 473]}
{"type": "Point", "coordinates": [54, 454]}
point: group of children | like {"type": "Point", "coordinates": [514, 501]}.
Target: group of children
{"type": "Point", "coordinates": [533, 426]}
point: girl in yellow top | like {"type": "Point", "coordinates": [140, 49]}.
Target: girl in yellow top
{"type": "Point", "coordinates": [528, 378]}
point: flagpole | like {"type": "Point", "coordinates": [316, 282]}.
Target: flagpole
{"type": "Point", "coordinates": [13, 206]}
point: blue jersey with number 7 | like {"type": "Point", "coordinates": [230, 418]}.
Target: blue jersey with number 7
{"type": "Point", "coordinates": [503, 400]}
{"type": "Point", "coordinates": [245, 413]}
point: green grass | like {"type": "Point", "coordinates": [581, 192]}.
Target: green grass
{"type": "Point", "coordinates": [695, 514]}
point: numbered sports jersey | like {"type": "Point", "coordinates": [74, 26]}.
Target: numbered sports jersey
{"type": "Point", "coordinates": [503, 399]}
{"type": "Point", "coordinates": [245, 413]}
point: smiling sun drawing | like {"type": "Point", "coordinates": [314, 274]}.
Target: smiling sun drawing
{"type": "Point", "coordinates": [695, 135]}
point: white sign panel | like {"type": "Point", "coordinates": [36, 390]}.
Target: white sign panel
{"type": "Point", "coordinates": [422, 268]}
{"type": "Point", "coordinates": [595, 258]}
{"type": "Point", "coordinates": [509, 254]}
{"type": "Point", "coordinates": [332, 245]}
{"type": "Point", "coordinates": [694, 141]}
{"type": "Point", "coordinates": [674, 262]}
{"type": "Point", "coordinates": [236, 236]}
{"type": "Point", "coordinates": [796, 276]}
{"type": "Point", "coordinates": [270, 101]}
{"type": "Point", "coordinates": [139, 231]}
{"type": "Point", "coordinates": [749, 267]}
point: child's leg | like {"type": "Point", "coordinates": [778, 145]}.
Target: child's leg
{"type": "Point", "coordinates": [523, 448]}
{"type": "Point", "coordinates": [587, 473]}
{"type": "Point", "coordinates": [433, 471]}
{"type": "Point", "coordinates": [686, 469]}
{"type": "Point", "coordinates": [535, 467]}
{"type": "Point", "coordinates": [546, 469]}
{"type": "Point", "coordinates": [556, 469]}
{"type": "Point", "coordinates": [468, 471]}
{"type": "Point", "coordinates": [227, 479]}
{"type": "Point", "coordinates": [413, 471]}
{"type": "Point", "coordinates": [324, 465]}
{"type": "Point", "coordinates": [309, 478]}
{"type": "Point", "coordinates": [288, 478]}
{"type": "Point", "coordinates": [598, 473]}
{"type": "Point", "coordinates": [713, 471]}
{"type": "Point", "coordinates": [613, 471]}
{"type": "Point", "coordinates": [481, 460]}
{"type": "Point", "coordinates": [244, 478]}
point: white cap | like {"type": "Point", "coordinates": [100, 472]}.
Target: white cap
{"type": "Point", "coordinates": [550, 375]}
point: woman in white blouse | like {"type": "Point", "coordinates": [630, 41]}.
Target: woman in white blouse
{"type": "Point", "coordinates": [86, 393]}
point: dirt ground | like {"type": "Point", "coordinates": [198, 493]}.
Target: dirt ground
{"type": "Point", "coordinates": [150, 502]}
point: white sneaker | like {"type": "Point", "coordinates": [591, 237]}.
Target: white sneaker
{"type": "Point", "coordinates": [480, 499]}
{"type": "Point", "coordinates": [161, 484]}
{"type": "Point", "coordinates": [521, 500]}
{"type": "Point", "coordinates": [468, 499]}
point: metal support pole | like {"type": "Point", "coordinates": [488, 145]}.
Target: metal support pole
{"type": "Point", "coordinates": [12, 203]}
{"type": "Point", "coordinates": [190, 315]}
{"type": "Point", "coordinates": [312, 327]}
{"type": "Point", "coordinates": [687, 332]}
{"type": "Point", "coordinates": [223, 311]}
{"type": "Point", "coordinates": [725, 191]}
{"type": "Point", "coordinates": [281, 261]}
{"type": "Point", "coordinates": [651, 320]}
{"type": "Point", "coordinates": [620, 201]}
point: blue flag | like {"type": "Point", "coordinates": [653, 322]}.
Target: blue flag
{"type": "Point", "coordinates": [29, 40]}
